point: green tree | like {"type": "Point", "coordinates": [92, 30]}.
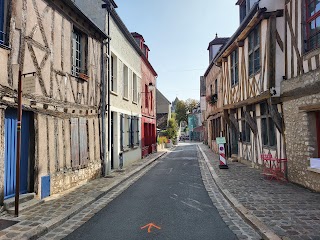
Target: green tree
{"type": "Point", "coordinates": [191, 104]}
{"type": "Point", "coordinates": [181, 111]}
{"type": "Point", "coordinates": [172, 130]}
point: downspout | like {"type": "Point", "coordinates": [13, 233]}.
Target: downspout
{"type": "Point", "coordinates": [108, 163]}
{"type": "Point", "coordinates": [103, 108]}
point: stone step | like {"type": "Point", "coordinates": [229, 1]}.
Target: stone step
{"type": "Point", "coordinates": [26, 205]}
{"type": "Point", "coordinates": [9, 203]}
{"type": "Point", "coordinates": [234, 158]}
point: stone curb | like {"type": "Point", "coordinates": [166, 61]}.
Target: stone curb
{"type": "Point", "coordinates": [48, 226]}
{"type": "Point", "coordinates": [263, 229]}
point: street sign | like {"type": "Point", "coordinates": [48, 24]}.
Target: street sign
{"type": "Point", "coordinates": [221, 140]}
{"type": "Point", "coordinates": [29, 84]}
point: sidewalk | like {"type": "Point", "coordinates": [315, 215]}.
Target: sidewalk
{"type": "Point", "coordinates": [283, 209]}
{"type": "Point", "coordinates": [56, 209]}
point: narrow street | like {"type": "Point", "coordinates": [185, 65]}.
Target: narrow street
{"type": "Point", "coordinates": [171, 195]}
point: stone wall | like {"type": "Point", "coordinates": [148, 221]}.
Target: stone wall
{"type": "Point", "coordinates": [300, 133]}
{"type": "Point", "coordinates": [64, 180]}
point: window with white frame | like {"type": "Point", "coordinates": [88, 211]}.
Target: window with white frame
{"type": "Point", "coordinates": [3, 22]}
{"type": "Point", "coordinates": [129, 131]}
{"type": "Point", "coordinates": [234, 67]}
{"type": "Point", "coordinates": [254, 51]}
{"type": "Point", "coordinates": [134, 88]}
{"type": "Point", "coordinates": [113, 73]}
{"type": "Point", "coordinates": [125, 82]}
{"type": "Point", "coordinates": [79, 53]}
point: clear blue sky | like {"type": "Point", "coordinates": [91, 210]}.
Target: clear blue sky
{"type": "Point", "coordinates": [178, 33]}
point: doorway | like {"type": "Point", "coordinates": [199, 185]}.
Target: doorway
{"type": "Point", "coordinates": [27, 153]}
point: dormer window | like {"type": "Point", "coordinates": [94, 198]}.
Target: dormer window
{"type": "Point", "coordinates": [243, 10]}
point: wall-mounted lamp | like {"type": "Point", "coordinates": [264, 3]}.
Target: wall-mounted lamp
{"type": "Point", "coordinates": [151, 87]}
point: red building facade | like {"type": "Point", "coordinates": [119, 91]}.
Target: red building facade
{"type": "Point", "coordinates": [148, 101]}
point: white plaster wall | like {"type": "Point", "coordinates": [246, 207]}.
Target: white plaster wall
{"type": "Point", "coordinates": [271, 5]}
{"type": "Point", "coordinates": [127, 55]}
{"type": "Point", "coordinates": [4, 66]}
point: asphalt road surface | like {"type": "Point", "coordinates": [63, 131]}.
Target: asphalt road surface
{"type": "Point", "coordinates": [171, 196]}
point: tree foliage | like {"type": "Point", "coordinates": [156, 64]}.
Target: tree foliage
{"type": "Point", "coordinates": [181, 111]}
{"type": "Point", "coordinates": [172, 130]}
{"type": "Point", "coordinates": [191, 104]}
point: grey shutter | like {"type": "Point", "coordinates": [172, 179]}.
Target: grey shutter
{"type": "Point", "coordinates": [121, 131]}
{"type": "Point", "coordinates": [74, 142]}
{"type": "Point", "coordinates": [83, 142]}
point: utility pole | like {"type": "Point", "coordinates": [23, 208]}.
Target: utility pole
{"type": "Point", "coordinates": [16, 199]}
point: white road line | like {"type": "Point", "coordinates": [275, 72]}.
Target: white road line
{"type": "Point", "coordinates": [192, 206]}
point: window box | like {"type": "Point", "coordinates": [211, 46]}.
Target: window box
{"type": "Point", "coordinates": [84, 76]}
{"type": "Point", "coordinates": [212, 99]}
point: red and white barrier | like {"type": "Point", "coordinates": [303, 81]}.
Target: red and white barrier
{"type": "Point", "coordinates": [223, 161]}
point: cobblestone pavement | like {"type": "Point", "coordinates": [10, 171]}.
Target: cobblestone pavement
{"type": "Point", "coordinates": [240, 228]}
{"type": "Point", "coordinates": [57, 209]}
{"type": "Point", "coordinates": [291, 211]}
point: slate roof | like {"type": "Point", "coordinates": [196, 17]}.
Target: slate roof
{"type": "Point", "coordinates": [218, 41]}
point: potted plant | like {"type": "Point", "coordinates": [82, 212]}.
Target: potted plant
{"type": "Point", "coordinates": [212, 99]}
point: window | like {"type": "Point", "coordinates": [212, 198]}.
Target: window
{"type": "Point", "coordinates": [216, 87]}
{"type": "Point", "coordinates": [245, 131]}
{"type": "Point", "coordinates": [211, 89]}
{"type": "Point", "coordinates": [135, 131]}
{"type": "Point", "coordinates": [113, 73]}
{"type": "Point", "coordinates": [79, 53]}
{"type": "Point", "coordinates": [243, 11]}
{"type": "Point", "coordinates": [151, 100]}
{"type": "Point", "coordinates": [313, 24]}
{"type": "Point", "coordinates": [79, 145]}
{"type": "Point", "coordinates": [129, 129]}
{"type": "Point", "coordinates": [234, 68]}
{"type": "Point", "coordinates": [216, 128]}
{"type": "Point", "coordinates": [254, 51]}
{"type": "Point", "coordinates": [3, 21]}
{"type": "Point", "coordinates": [134, 88]}
{"type": "Point", "coordinates": [146, 100]}
{"type": "Point", "coordinates": [267, 127]}
{"type": "Point", "coordinates": [125, 81]}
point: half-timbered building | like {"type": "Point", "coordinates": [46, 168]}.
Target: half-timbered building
{"type": "Point", "coordinates": [214, 100]}
{"type": "Point", "coordinates": [301, 91]}
{"type": "Point", "coordinates": [251, 73]}
{"type": "Point", "coordinates": [59, 53]}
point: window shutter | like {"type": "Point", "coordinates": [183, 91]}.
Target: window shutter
{"type": "Point", "coordinates": [83, 142]}
{"type": "Point", "coordinates": [74, 142]}
{"type": "Point", "coordinates": [138, 140]}
{"type": "Point", "coordinates": [132, 131]}
{"type": "Point", "coordinates": [121, 132]}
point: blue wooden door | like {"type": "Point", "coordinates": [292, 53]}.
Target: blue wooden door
{"type": "Point", "coordinates": [10, 152]}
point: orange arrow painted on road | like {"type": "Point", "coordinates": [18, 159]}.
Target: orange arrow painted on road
{"type": "Point", "coordinates": [150, 225]}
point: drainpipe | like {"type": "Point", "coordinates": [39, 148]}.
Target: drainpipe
{"type": "Point", "coordinates": [103, 108]}
{"type": "Point", "coordinates": [107, 161]}
{"type": "Point", "coordinates": [108, 167]}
